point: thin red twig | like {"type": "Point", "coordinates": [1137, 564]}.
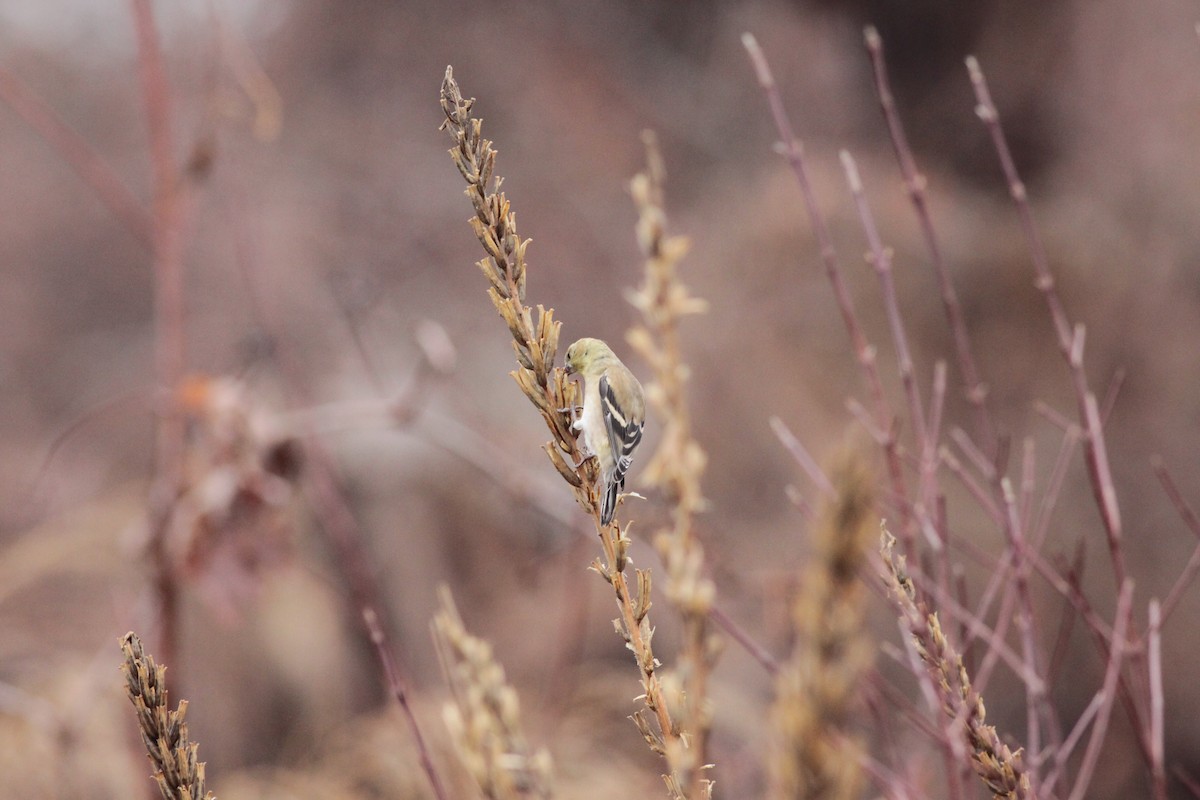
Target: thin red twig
{"type": "Point", "coordinates": [1158, 770]}
{"type": "Point", "coordinates": [865, 352]}
{"type": "Point", "coordinates": [1037, 702]}
{"type": "Point", "coordinates": [1063, 753]}
{"type": "Point", "coordinates": [978, 492]}
{"type": "Point", "coordinates": [1058, 653]}
{"type": "Point", "coordinates": [803, 458]}
{"type": "Point", "coordinates": [1192, 567]}
{"type": "Point", "coordinates": [1058, 476]}
{"type": "Point", "coordinates": [1189, 783]}
{"type": "Point", "coordinates": [1028, 483]}
{"type": "Point", "coordinates": [748, 643]}
{"type": "Point", "coordinates": [1070, 340]}
{"type": "Point", "coordinates": [881, 260]}
{"type": "Point", "coordinates": [981, 461]}
{"type": "Point", "coordinates": [915, 183]}
{"type": "Point", "coordinates": [1001, 579]}
{"type": "Point", "coordinates": [400, 691]}
{"type": "Point", "coordinates": [937, 401]}
{"type": "Point", "coordinates": [1116, 656]}
{"type": "Point", "coordinates": [92, 168]}
{"type": "Point", "coordinates": [1104, 643]}
{"type": "Point", "coordinates": [170, 343]}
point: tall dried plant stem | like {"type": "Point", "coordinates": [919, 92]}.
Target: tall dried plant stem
{"type": "Point", "coordinates": [484, 717]}
{"type": "Point", "coordinates": [1070, 340]}
{"type": "Point", "coordinates": [916, 184]}
{"type": "Point", "coordinates": [1158, 770]}
{"type": "Point", "coordinates": [882, 421]}
{"type": "Point", "coordinates": [178, 772]}
{"type": "Point", "coordinates": [815, 758]}
{"type": "Point", "coordinates": [880, 258]}
{"type": "Point", "coordinates": [547, 387]}
{"type": "Point", "coordinates": [675, 468]}
{"type": "Point", "coordinates": [998, 767]}
{"type": "Point", "coordinates": [399, 690]}
{"type": "Point", "coordinates": [168, 222]}
{"type": "Point", "coordinates": [1116, 660]}
{"type": "Point", "coordinates": [925, 432]}
{"type": "Point", "coordinates": [91, 167]}
{"type": "Point", "coordinates": [1188, 515]}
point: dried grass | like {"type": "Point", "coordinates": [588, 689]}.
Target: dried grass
{"type": "Point", "coordinates": [675, 469]}
{"type": "Point", "coordinates": [178, 772]}
{"type": "Point", "coordinates": [815, 754]}
{"type": "Point", "coordinates": [994, 762]}
{"type": "Point", "coordinates": [484, 718]}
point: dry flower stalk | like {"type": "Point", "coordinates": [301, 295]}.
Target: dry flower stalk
{"type": "Point", "coordinates": [484, 719]}
{"type": "Point", "coordinates": [993, 761]}
{"type": "Point", "coordinates": [675, 468]}
{"type": "Point", "coordinates": [815, 757]}
{"type": "Point", "coordinates": [178, 774]}
{"type": "Point", "coordinates": [548, 388]}
{"type": "Point", "coordinates": [536, 346]}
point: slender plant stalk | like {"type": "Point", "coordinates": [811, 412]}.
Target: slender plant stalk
{"type": "Point", "coordinates": [881, 260]}
{"type": "Point", "coordinates": [484, 717]}
{"type": "Point", "coordinates": [1158, 763]}
{"type": "Point", "coordinates": [1116, 657]}
{"type": "Point", "coordinates": [1000, 769]}
{"type": "Point", "coordinates": [400, 691]}
{"type": "Point", "coordinates": [916, 184]}
{"type": "Point", "coordinates": [816, 757]}
{"type": "Point", "coordinates": [675, 468]}
{"type": "Point", "coordinates": [91, 167]}
{"type": "Point", "coordinates": [1070, 340]}
{"type": "Point", "coordinates": [535, 344]}
{"type": "Point", "coordinates": [793, 150]}
{"type": "Point", "coordinates": [168, 221]}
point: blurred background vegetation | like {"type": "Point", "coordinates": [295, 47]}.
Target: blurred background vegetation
{"type": "Point", "coordinates": [328, 228]}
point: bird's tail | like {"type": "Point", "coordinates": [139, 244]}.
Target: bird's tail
{"type": "Point", "coordinates": [608, 505]}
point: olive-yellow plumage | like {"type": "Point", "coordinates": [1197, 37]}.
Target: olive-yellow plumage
{"type": "Point", "coordinates": [614, 412]}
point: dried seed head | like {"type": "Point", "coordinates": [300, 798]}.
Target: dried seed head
{"type": "Point", "coordinates": [484, 717]}
{"type": "Point", "coordinates": [178, 772]}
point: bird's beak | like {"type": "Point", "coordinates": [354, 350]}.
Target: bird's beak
{"type": "Point", "coordinates": [569, 370]}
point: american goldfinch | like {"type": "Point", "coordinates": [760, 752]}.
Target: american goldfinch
{"type": "Point", "coordinates": [614, 411]}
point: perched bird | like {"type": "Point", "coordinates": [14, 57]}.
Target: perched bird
{"type": "Point", "coordinates": [614, 411]}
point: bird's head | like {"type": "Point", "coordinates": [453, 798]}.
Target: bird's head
{"type": "Point", "coordinates": [584, 354]}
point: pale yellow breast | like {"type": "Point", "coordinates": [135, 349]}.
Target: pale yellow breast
{"type": "Point", "coordinates": [595, 432]}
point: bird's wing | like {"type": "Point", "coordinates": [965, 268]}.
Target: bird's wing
{"type": "Point", "coordinates": [624, 430]}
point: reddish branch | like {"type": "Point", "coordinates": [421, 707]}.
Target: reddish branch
{"type": "Point", "coordinates": [792, 149]}
{"type": "Point", "coordinates": [89, 165]}
{"type": "Point", "coordinates": [167, 246]}
{"type": "Point", "coordinates": [915, 184]}
{"type": "Point", "coordinates": [1070, 340]}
